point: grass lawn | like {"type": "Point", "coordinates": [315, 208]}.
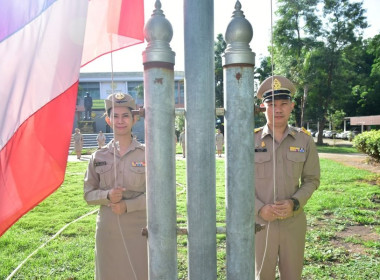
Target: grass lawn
{"type": "Point", "coordinates": [342, 241]}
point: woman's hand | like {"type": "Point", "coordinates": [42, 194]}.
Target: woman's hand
{"type": "Point", "coordinates": [119, 207]}
{"type": "Point", "coordinates": [116, 194]}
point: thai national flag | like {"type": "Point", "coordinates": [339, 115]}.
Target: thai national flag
{"type": "Point", "coordinates": [43, 44]}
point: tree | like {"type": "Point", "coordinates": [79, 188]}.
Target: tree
{"type": "Point", "coordinates": [294, 36]}
{"type": "Point", "coordinates": [219, 47]}
{"type": "Point", "coordinates": [343, 27]}
{"type": "Point", "coordinates": [365, 92]}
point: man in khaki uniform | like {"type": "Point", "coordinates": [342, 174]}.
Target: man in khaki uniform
{"type": "Point", "coordinates": [286, 175]}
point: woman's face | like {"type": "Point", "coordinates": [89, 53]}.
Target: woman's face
{"type": "Point", "coordinates": [122, 120]}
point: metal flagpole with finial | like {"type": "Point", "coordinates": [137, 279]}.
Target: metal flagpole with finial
{"type": "Point", "coordinates": [238, 67]}
{"type": "Point", "coordinates": [158, 60]}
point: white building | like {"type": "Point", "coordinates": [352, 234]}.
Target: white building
{"type": "Point", "coordinates": [100, 85]}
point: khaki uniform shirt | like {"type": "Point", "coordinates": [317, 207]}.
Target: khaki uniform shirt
{"type": "Point", "coordinates": [118, 236]}
{"type": "Point", "coordinates": [296, 171]}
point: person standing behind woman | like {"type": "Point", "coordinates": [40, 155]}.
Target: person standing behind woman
{"type": "Point", "coordinates": [78, 143]}
{"type": "Point", "coordinates": [219, 139]}
{"type": "Point", "coordinates": [101, 138]}
{"type": "Point", "coordinates": [182, 142]}
{"type": "Point", "coordinates": [115, 180]}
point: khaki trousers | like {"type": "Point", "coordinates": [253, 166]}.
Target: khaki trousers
{"type": "Point", "coordinates": [285, 248]}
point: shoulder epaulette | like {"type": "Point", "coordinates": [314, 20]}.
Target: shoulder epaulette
{"type": "Point", "coordinates": [305, 131]}
{"type": "Point", "coordinates": [258, 129]}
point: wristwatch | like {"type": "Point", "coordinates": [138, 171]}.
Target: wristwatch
{"type": "Point", "coordinates": [296, 203]}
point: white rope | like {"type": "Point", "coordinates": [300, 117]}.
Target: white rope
{"type": "Point", "coordinates": [44, 244]}
{"type": "Point", "coordinates": [273, 145]}
{"type": "Point", "coordinates": [116, 146]}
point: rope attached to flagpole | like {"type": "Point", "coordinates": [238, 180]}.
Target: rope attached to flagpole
{"type": "Point", "coordinates": [273, 144]}
{"type": "Point", "coordinates": [116, 146]}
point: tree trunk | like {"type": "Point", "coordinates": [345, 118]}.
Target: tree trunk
{"type": "Point", "coordinates": [303, 105]}
{"type": "Point", "coordinates": [320, 129]}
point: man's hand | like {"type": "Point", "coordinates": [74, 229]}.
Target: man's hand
{"type": "Point", "coordinates": [119, 207]}
{"type": "Point", "coordinates": [268, 213]}
{"type": "Point", "coordinates": [116, 194]}
{"type": "Point", "coordinates": [283, 208]}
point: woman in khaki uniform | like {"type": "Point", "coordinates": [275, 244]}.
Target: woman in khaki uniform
{"type": "Point", "coordinates": [115, 180]}
{"type": "Point", "coordinates": [78, 143]}
{"type": "Point", "coordinates": [286, 175]}
{"type": "Point", "coordinates": [219, 141]}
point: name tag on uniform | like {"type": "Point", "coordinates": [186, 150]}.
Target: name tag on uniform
{"type": "Point", "coordinates": [297, 149]}
{"type": "Point", "coordinates": [138, 163]}
{"type": "Point", "coordinates": [100, 163]}
{"type": "Point", "coordinates": [261, 150]}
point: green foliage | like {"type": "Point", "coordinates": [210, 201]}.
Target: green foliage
{"type": "Point", "coordinates": [219, 47]}
{"type": "Point", "coordinates": [368, 142]}
{"type": "Point", "coordinates": [337, 118]}
{"type": "Point", "coordinates": [179, 124]}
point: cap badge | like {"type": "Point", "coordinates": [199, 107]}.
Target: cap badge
{"type": "Point", "coordinates": [119, 96]}
{"type": "Point", "coordinates": [276, 84]}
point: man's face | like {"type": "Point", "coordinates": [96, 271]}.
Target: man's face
{"type": "Point", "coordinates": [278, 113]}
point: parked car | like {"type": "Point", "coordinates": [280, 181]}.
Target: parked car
{"type": "Point", "coordinates": [329, 134]}
{"type": "Point", "coordinates": [342, 135]}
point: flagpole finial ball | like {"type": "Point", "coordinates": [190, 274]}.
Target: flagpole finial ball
{"type": "Point", "coordinates": [238, 35]}
{"type": "Point", "coordinates": [158, 32]}
{"type": "Point", "coordinates": [158, 27]}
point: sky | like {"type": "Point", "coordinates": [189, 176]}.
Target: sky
{"type": "Point", "coordinates": [257, 12]}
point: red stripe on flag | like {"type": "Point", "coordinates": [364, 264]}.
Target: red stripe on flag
{"type": "Point", "coordinates": [33, 162]}
{"type": "Point", "coordinates": [111, 26]}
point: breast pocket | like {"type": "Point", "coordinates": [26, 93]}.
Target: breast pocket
{"type": "Point", "coordinates": [105, 175]}
{"type": "Point", "coordinates": [296, 163]}
{"type": "Point", "coordinates": [263, 165]}
{"type": "Point", "coordinates": [136, 178]}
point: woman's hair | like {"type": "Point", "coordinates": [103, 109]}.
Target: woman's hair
{"type": "Point", "coordinates": [108, 113]}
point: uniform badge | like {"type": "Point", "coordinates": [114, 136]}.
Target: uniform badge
{"type": "Point", "coordinates": [138, 163]}
{"type": "Point", "coordinates": [262, 150]}
{"type": "Point", "coordinates": [100, 163]}
{"type": "Point", "coordinates": [119, 96]}
{"type": "Point", "coordinates": [262, 144]}
{"type": "Point", "coordinates": [276, 84]}
{"type": "Point", "coordinates": [297, 149]}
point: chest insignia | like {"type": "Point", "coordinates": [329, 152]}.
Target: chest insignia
{"type": "Point", "coordinates": [262, 144]}
{"type": "Point", "coordinates": [100, 163]}
{"type": "Point", "coordinates": [297, 149]}
{"type": "Point", "coordinates": [138, 163]}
